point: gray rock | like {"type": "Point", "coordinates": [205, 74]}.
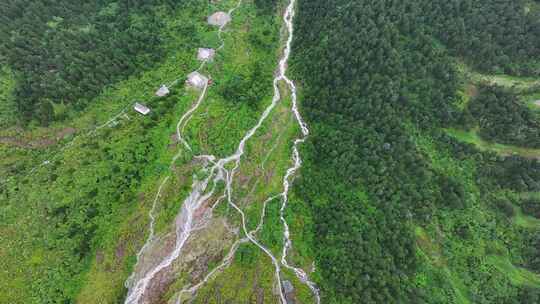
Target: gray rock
{"type": "Point", "coordinates": [287, 287]}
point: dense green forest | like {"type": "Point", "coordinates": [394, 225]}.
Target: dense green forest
{"type": "Point", "coordinates": [398, 205]}
{"type": "Point", "coordinates": [518, 126]}
{"type": "Point", "coordinates": [65, 52]}
{"type": "Point", "coordinates": [494, 36]}
{"type": "Point", "coordinates": [420, 178]}
{"type": "Point", "coordinates": [74, 213]}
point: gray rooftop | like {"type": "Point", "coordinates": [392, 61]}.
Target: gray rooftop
{"type": "Point", "coordinates": [219, 19]}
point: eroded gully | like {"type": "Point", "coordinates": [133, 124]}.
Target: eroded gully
{"type": "Point", "coordinates": [202, 190]}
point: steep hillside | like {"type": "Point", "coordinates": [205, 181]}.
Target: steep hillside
{"type": "Point", "coordinates": [403, 212]}
{"type": "Point", "coordinates": [264, 151]}
{"type": "Point", "coordinates": [133, 208]}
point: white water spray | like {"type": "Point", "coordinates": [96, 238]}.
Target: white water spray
{"type": "Point", "coordinates": [297, 164]}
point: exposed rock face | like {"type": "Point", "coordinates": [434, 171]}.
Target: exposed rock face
{"type": "Point", "coordinates": [204, 247]}
{"type": "Point", "coordinates": [288, 290]}
{"type": "Point", "coordinates": [158, 287]}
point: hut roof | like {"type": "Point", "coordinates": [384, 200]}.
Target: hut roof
{"type": "Point", "coordinates": [205, 54]}
{"type": "Point", "coordinates": [163, 91]}
{"type": "Point", "coordinates": [197, 80]}
{"type": "Point", "coordinates": [141, 108]}
{"type": "Point", "coordinates": [219, 19]}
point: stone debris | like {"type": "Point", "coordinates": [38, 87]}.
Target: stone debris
{"type": "Point", "coordinates": [288, 291]}
{"type": "Point", "coordinates": [287, 287]}
{"type": "Point", "coordinates": [197, 80]}
{"type": "Point", "coordinates": [219, 19]}
{"type": "Point", "coordinates": [205, 54]}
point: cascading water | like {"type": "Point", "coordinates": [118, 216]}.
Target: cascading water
{"type": "Point", "coordinates": [297, 163]}
{"type": "Point", "coordinates": [186, 222]}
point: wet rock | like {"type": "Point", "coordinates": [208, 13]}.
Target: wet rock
{"type": "Point", "coordinates": [287, 287]}
{"type": "Point", "coordinates": [203, 248]}
{"type": "Point", "coordinates": [288, 291]}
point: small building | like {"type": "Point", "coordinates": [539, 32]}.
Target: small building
{"type": "Point", "coordinates": [163, 91]}
{"type": "Point", "coordinates": [197, 80]}
{"type": "Point", "coordinates": [537, 103]}
{"type": "Point", "coordinates": [219, 19]}
{"type": "Point", "coordinates": [144, 110]}
{"type": "Point", "coordinates": [205, 54]}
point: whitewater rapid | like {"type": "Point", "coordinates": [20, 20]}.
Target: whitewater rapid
{"type": "Point", "coordinates": [297, 164]}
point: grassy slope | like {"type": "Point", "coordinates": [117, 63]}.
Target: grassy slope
{"type": "Point", "coordinates": [216, 128]}
{"type": "Point", "coordinates": [446, 256]}
{"type": "Point", "coordinates": [26, 256]}
{"type": "Point", "coordinates": [528, 88]}
{"type": "Point", "coordinates": [472, 137]}
{"type": "Point", "coordinates": [498, 257]}
{"type": "Point", "coordinates": [267, 157]}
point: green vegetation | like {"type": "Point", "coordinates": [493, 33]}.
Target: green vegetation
{"type": "Point", "coordinates": [420, 179]}
{"type": "Point", "coordinates": [493, 36]}
{"type": "Point", "coordinates": [472, 137]}
{"type": "Point", "coordinates": [517, 276]}
{"type": "Point", "coordinates": [68, 52]}
{"type": "Point", "coordinates": [502, 118]}
{"type": "Point", "coordinates": [8, 112]}
{"type": "Point", "coordinates": [402, 211]}
{"type": "Point", "coordinates": [101, 186]}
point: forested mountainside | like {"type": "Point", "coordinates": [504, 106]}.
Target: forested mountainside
{"type": "Point", "coordinates": [403, 210]}
{"type": "Point", "coordinates": [65, 52]}
{"type": "Point", "coordinates": [297, 151]}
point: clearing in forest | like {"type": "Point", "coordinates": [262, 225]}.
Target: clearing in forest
{"type": "Point", "coordinates": [472, 137]}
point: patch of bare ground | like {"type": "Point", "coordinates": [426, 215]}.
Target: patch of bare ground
{"type": "Point", "coordinates": [471, 90]}
{"type": "Point", "coordinates": [247, 288]}
{"type": "Point", "coordinates": [21, 141]}
{"type": "Point", "coordinates": [174, 140]}
{"type": "Point", "coordinates": [205, 247]}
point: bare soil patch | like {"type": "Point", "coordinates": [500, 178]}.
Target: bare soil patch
{"type": "Point", "coordinates": [37, 143]}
